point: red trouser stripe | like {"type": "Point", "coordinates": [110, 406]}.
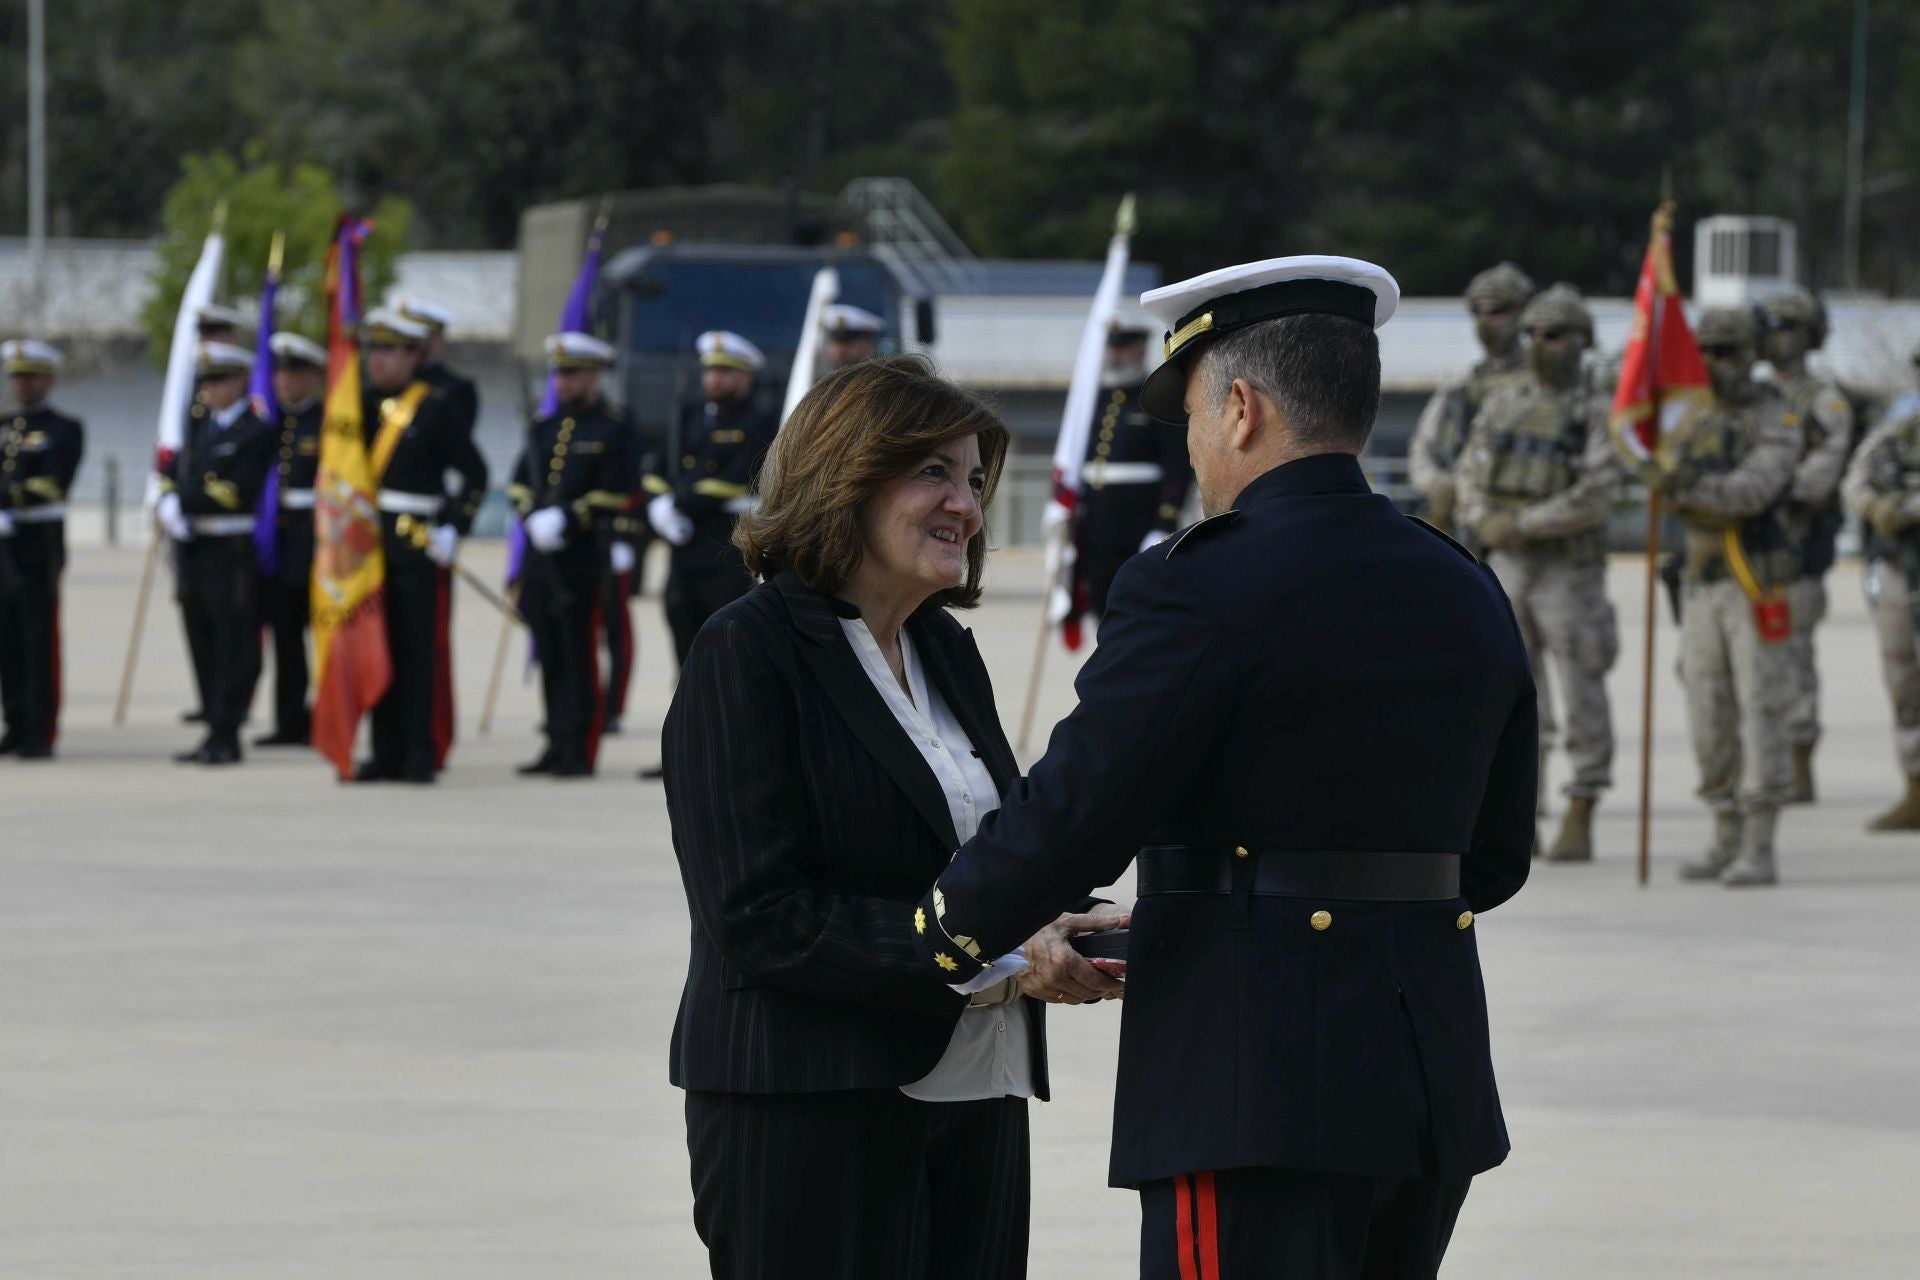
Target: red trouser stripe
{"type": "Point", "coordinates": [1208, 1233]}
{"type": "Point", "coordinates": [1183, 1228]}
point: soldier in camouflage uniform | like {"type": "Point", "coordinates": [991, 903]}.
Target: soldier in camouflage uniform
{"type": "Point", "coordinates": [1883, 488]}
{"type": "Point", "coordinates": [1731, 471]}
{"type": "Point", "coordinates": [1535, 482]}
{"type": "Point", "coordinates": [1495, 298]}
{"type": "Point", "coordinates": [1796, 325]}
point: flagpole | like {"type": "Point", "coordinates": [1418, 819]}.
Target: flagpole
{"type": "Point", "coordinates": [139, 628]}
{"type": "Point", "coordinates": [499, 662]}
{"type": "Point", "coordinates": [1646, 684]}
{"type": "Point", "coordinates": [1058, 564]}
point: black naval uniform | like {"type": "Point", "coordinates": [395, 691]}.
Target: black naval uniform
{"type": "Point", "coordinates": [1341, 775]}
{"type": "Point", "coordinates": [721, 448]}
{"type": "Point", "coordinates": [40, 451]}
{"type": "Point", "coordinates": [1134, 482]}
{"type": "Point", "coordinates": [218, 475]}
{"type": "Point", "coordinates": [412, 726]}
{"type": "Point", "coordinates": [464, 396]}
{"type": "Point", "coordinates": [581, 461]}
{"type": "Point", "coordinates": [290, 592]}
{"type": "Point", "coordinates": [616, 613]}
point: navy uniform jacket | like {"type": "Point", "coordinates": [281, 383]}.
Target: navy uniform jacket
{"type": "Point", "coordinates": [40, 452]}
{"type": "Point", "coordinates": [299, 469]}
{"type": "Point", "coordinates": [1116, 515]}
{"type": "Point", "coordinates": [722, 447]}
{"type": "Point", "coordinates": [581, 461]}
{"type": "Point", "coordinates": [436, 441]}
{"type": "Point", "coordinates": [1319, 673]}
{"type": "Point", "coordinates": [220, 471]}
{"type": "Point", "coordinates": [461, 394]}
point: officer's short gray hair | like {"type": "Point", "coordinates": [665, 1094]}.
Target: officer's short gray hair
{"type": "Point", "coordinates": [1322, 373]}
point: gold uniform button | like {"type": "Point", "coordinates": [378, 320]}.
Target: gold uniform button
{"type": "Point", "coordinates": [1321, 921]}
{"type": "Point", "coordinates": [686, 460]}
{"type": "Point", "coordinates": [566, 424]}
{"type": "Point", "coordinates": [1240, 851]}
{"type": "Point", "coordinates": [1465, 919]}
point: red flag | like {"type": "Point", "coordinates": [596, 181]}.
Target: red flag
{"type": "Point", "coordinates": [1663, 380]}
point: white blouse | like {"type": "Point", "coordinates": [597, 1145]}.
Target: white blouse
{"type": "Point", "coordinates": [991, 1052]}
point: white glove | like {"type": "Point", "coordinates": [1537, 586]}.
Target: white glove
{"type": "Point", "coordinates": [171, 518]}
{"type": "Point", "coordinates": [6, 524]}
{"type": "Point", "coordinates": [668, 522]}
{"type": "Point", "coordinates": [547, 529]}
{"type": "Point", "coordinates": [1052, 516]}
{"type": "Point", "coordinates": [443, 544]}
{"type": "Point", "coordinates": [621, 553]}
{"type": "Point", "coordinates": [1153, 539]}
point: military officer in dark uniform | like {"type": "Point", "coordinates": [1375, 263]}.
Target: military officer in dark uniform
{"type": "Point", "coordinates": [722, 442]}
{"type": "Point", "coordinates": [1341, 777]}
{"type": "Point", "coordinates": [852, 333]}
{"type": "Point", "coordinates": [207, 506]}
{"type": "Point", "coordinates": [626, 542]}
{"type": "Point", "coordinates": [572, 480]}
{"type": "Point", "coordinates": [299, 375]}
{"type": "Point", "coordinates": [1135, 481]}
{"type": "Point", "coordinates": [211, 323]}
{"type": "Point", "coordinates": [415, 435]}
{"type": "Point", "coordinates": [40, 450]}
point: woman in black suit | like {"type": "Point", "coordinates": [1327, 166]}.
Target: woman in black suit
{"type": "Point", "coordinates": [832, 741]}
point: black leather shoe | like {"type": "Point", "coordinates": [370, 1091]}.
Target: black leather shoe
{"type": "Point", "coordinates": [653, 773]}
{"type": "Point", "coordinates": [417, 777]}
{"type": "Point", "coordinates": [223, 753]}
{"type": "Point", "coordinates": [373, 771]}
{"type": "Point", "coordinates": [543, 765]}
{"type": "Point", "coordinates": [196, 756]}
{"type": "Point", "coordinates": [34, 751]}
{"type": "Point", "coordinates": [9, 744]}
{"type": "Point", "coordinates": [570, 766]}
{"type": "Point", "coordinates": [281, 738]}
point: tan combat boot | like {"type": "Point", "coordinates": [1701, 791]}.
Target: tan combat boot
{"type": "Point", "coordinates": [1755, 863]}
{"type": "Point", "coordinates": [1720, 854]}
{"type": "Point", "coordinates": [1575, 841]}
{"type": "Point", "coordinates": [1905, 815]}
{"type": "Point", "coordinates": [1802, 792]}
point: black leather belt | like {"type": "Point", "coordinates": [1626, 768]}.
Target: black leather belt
{"type": "Point", "coordinates": [1296, 873]}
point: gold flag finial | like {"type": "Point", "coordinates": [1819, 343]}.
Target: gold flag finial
{"type": "Point", "coordinates": [606, 212]}
{"type": "Point", "coordinates": [276, 254]}
{"type": "Point", "coordinates": [1123, 221]}
{"type": "Point", "coordinates": [219, 217]}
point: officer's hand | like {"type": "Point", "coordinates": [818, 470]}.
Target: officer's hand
{"type": "Point", "coordinates": [443, 544]}
{"type": "Point", "coordinates": [172, 519]}
{"type": "Point", "coordinates": [1060, 975]}
{"type": "Point", "coordinates": [1499, 530]}
{"type": "Point", "coordinates": [547, 529]}
{"type": "Point", "coordinates": [1886, 516]}
{"type": "Point", "coordinates": [622, 558]}
{"type": "Point", "coordinates": [668, 521]}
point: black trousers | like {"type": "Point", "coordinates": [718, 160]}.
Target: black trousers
{"type": "Point", "coordinates": [562, 604]}
{"type": "Point", "coordinates": [219, 591]}
{"type": "Point", "coordinates": [694, 596]}
{"type": "Point", "coordinates": [616, 623]}
{"type": "Point", "coordinates": [403, 742]}
{"type": "Point", "coordinates": [861, 1184]}
{"type": "Point", "coordinates": [30, 565]}
{"type": "Point", "coordinates": [1243, 1224]}
{"type": "Point", "coordinates": [289, 614]}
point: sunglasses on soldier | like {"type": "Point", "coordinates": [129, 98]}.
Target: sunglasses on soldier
{"type": "Point", "coordinates": [1492, 310]}
{"type": "Point", "coordinates": [1548, 335]}
{"type": "Point", "coordinates": [1720, 350]}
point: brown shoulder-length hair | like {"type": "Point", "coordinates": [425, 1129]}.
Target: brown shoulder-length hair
{"type": "Point", "coordinates": [859, 428]}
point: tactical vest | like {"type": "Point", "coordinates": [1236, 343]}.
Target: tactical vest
{"type": "Point", "coordinates": [1534, 451]}
{"type": "Point", "coordinates": [1815, 529]}
{"type": "Point", "coordinates": [1718, 443]}
{"type": "Point", "coordinates": [1893, 470]}
{"type": "Point", "coordinates": [1463, 406]}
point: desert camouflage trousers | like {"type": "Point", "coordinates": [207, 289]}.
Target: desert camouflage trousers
{"type": "Point", "coordinates": [1889, 597]}
{"type": "Point", "coordinates": [1738, 690]}
{"type": "Point", "coordinates": [1568, 625]}
{"type": "Point", "coordinates": [1807, 606]}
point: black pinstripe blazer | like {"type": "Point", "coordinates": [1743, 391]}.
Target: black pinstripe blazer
{"type": "Point", "coordinates": [806, 825]}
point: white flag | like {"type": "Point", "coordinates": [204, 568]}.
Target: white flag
{"type": "Point", "coordinates": [826, 290]}
{"type": "Point", "coordinates": [184, 353]}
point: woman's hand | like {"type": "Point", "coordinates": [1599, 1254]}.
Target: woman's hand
{"type": "Point", "coordinates": [1058, 974]}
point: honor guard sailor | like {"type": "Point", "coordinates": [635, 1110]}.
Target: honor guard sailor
{"type": "Point", "coordinates": [416, 435]}
{"type": "Point", "coordinates": [208, 504]}
{"type": "Point", "coordinates": [1340, 779]}
{"type": "Point", "coordinates": [299, 372]}
{"type": "Point", "coordinates": [40, 450]}
{"type": "Point", "coordinates": [571, 482]}
{"type": "Point", "coordinates": [853, 334]}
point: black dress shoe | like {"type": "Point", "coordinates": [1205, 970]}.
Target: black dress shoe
{"type": "Point", "coordinates": [417, 777]}
{"type": "Point", "coordinates": [9, 744]}
{"type": "Point", "coordinates": [543, 765]}
{"type": "Point", "coordinates": [34, 751]}
{"type": "Point", "coordinates": [223, 753]}
{"type": "Point", "coordinates": [611, 728]}
{"type": "Point", "coordinates": [653, 773]}
{"type": "Point", "coordinates": [373, 771]}
{"type": "Point", "coordinates": [196, 756]}
{"type": "Point", "coordinates": [570, 767]}
{"type": "Point", "coordinates": [193, 717]}
{"type": "Point", "coordinates": [281, 738]}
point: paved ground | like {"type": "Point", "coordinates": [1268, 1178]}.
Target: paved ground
{"type": "Point", "coordinates": [258, 1025]}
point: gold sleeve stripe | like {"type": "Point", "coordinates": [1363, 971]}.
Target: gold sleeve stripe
{"type": "Point", "coordinates": [656, 485]}
{"type": "Point", "coordinates": [720, 489]}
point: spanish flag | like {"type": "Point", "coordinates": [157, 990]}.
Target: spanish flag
{"type": "Point", "coordinates": [1663, 380]}
{"type": "Point", "coordinates": [349, 570]}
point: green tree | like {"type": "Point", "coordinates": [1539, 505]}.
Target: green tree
{"type": "Point", "coordinates": [261, 199]}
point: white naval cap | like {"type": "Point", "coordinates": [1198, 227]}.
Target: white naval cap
{"type": "Point", "coordinates": [30, 355]}
{"type": "Point", "coordinates": [223, 360]}
{"type": "Point", "coordinates": [1219, 302]}
{"type": "Point", "coordinates": [295, 349]}
{"type": "Point", "coordinates": [214, 316]}
{"type": "Point", "coordinates": [385, 327]}
{"type": "Point", "coordinates": [573, 350]}
{"type": "Point", "coordinates": [843, 318]}
{"type": "Point", "coordinates": [431, 314]}
{"type": "Point", "coordinates": [724, 350]}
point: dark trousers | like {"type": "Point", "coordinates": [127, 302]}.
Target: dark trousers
{"type": "Point", "coordinates": [289, 613]}
{"type": "Point", "coordinates": [561, 604]}
{"type": "Point", "coordinates": [861, 1184]}
{"type": "Point", "coordinates": [30, 636]}
{"type": "Point", "coordinates": [1243, 1224]}
{"type": "Point", "coordinates": [403, 741]}
{"type": "Point", "coordinates": [694, 596]}
{"type": "Point", "coordinates": [616, 622]}
{"type": "Point", "coordinates": [219, 591]}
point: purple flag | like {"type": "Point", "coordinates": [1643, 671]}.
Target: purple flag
{"type": "Point", "coordinates": [266, 521]}
{"type": "Point", "coordinates": [573, 319]}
